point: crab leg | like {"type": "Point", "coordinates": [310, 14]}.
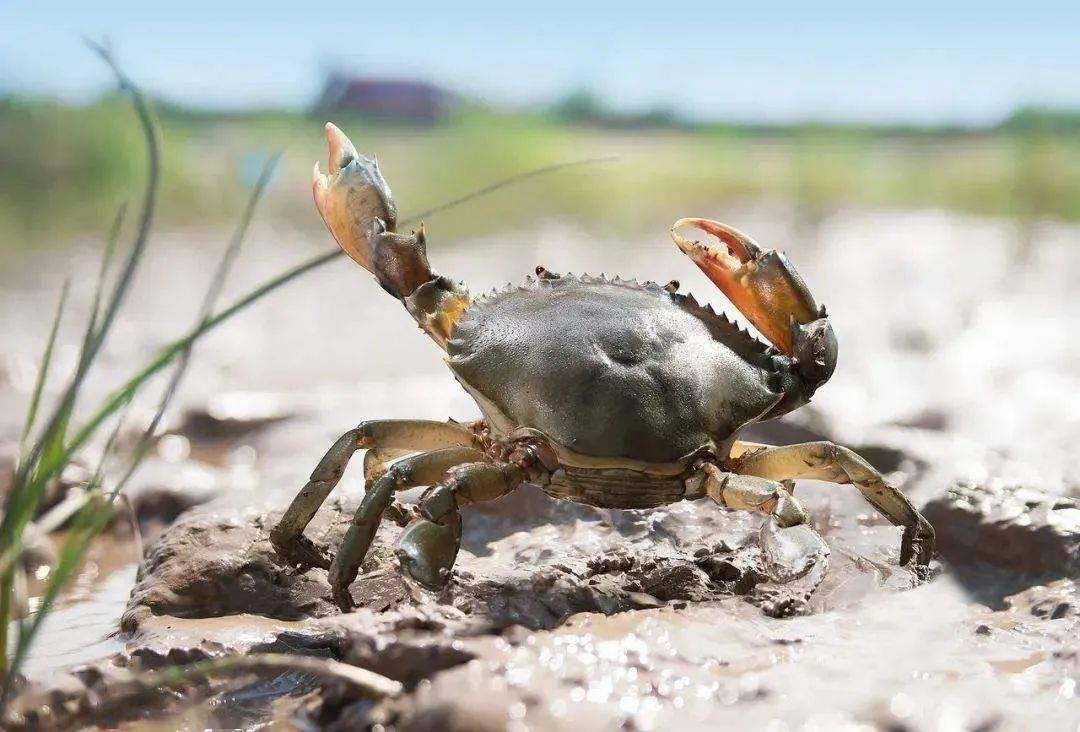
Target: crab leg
{"type": "Point", "coordinates": [793, 551]}
{"type": "Point", "coordinates": [288, 537]}
{"type": "Point", "coordinates": [423, 469]}
{"type": "Point", "coordinates": [429, 545]}
{"type": "Point", "coordinates": [750, 493]}
{"type": "Point", "coordinates": [830, 462]}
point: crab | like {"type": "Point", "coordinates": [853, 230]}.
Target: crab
{"type": "Point", "coordinates": [610, 392]}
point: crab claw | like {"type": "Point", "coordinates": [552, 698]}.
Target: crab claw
{"type": "Point", "coordinates": [353, 198]}
{"type": "Point", "coordinates": [761, 283]}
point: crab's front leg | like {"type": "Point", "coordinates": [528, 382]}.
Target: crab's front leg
{"type": "Point", "coordinates": [769, 292]}
{"type": "Point", "coordinates": [796, 557]}
{"type": "Point", "coordinates": [830, 462]}
{"type": "Point", "coordinates": [380, 435]}
{"type": "Point", "coordinates": [429, 545]}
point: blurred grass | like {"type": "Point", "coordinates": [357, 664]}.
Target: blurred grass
{"type": "Point", "coordinates": [46, 450]}
{"type": "Point", "coordinates": [61, 167]}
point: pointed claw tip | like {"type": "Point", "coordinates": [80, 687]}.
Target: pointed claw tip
{"type": "Point", "coordinates": [738, 244]}
{"type": "Point", "coordinates": [684, 244]}
{"type": "Point", "coordinates": [334, 134]}
{"type": "Point", "coordinates": [340, 150]}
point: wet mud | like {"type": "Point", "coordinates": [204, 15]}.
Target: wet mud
{"type": "Point", "coordinates": [564, 616]}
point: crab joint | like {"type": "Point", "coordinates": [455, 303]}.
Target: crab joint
{"type": "Point", "coordinates": [749, 493]}
{"type": "Point", "coordinates": [761, 283]}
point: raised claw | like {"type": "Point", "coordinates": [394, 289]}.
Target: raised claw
{"type": "Point", "coordinates": [353, 198]}
{"type": "Point", "coordinates": [761, 283]}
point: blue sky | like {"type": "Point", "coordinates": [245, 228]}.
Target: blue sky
{"type": "Point", "coordinates": [969, 62]}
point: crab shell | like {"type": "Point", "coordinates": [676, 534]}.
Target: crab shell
{"type": "Point", "coordinates": [615, 373]}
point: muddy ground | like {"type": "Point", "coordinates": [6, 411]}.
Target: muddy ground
{"type": "Point", "coordinates": [958, 376]}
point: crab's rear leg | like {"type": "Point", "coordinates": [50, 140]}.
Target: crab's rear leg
{"type": "Point", "coordinates": [830, 462]}
{"type": "Point", "coordinates": [429, 545]}
{"type": "Point", "coordinates": [288, 537]}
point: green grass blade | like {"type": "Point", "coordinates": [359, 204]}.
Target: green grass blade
{"type": "Point", "coordinates": [93, 517]}
{"type": "Point", "coordinates": [503, 183]}
{"type": "Point", "coordinates": [87, 524]}
{"type": "Point", "coordinates": [99, 285]}
{"type": "Point", "coordinates": [137, 690]}
{"type": "Point", "coordinates": [146, 214]}
{"type": "Point", "coordinates": [43, 372]}
{"type": "Point", "coordinates": [213, 292]}
{"type": "Point", "coordinates": [32, 475]}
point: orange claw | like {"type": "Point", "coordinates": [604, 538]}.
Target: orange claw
{"type": "Point", "coordinates": [761, 283]}
{"type": "Point", "coordinates": [353, 198]}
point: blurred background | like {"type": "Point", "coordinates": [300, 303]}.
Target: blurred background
{"type": "Point", "coordinates": [969, 108]}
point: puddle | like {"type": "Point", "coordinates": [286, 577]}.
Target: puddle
{"type": "Point", "coordinates": [84, 628]}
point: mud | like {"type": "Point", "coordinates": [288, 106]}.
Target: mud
{"type": "Point", "coordinates": [724, 666]}
{"type": "Point", "coordinates": [527, 560]}
{"type": "Point", "coordinates": [1026, 531]}
{"type": "Point", "coordinates": [955, 378]}
{"type": "Point", "coordinates": [212, 585]}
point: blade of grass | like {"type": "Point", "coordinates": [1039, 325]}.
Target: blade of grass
{"type": "Point", "coordinates": [94, 516]}
{"type": "Point", "coordinates": [29, 481]}
{"type": "Point", "coordinates": [503, 183]}
{"type": "Point", "coordinates": [146, 214]}
{"type": "Point", "coordinates": [33, 474]}
{"type": "Point", "coordinates": [43, 372]}
{"type": "Point", "coordinates": [87, 524]}
{"type": "Point", "coordinates": [103, 271]}
{"type": "Point", "coordinates": [365, 682]}
{"type": "Point", "coordinates": [213, 292]}
{"type": "Point", "coordinates": [55, 444]}
{"type": "Point", "coordinates": [133, 691]}
{"type": "Point", "coordinates": [7, 600]}
{"type": "Point", "coordinates": [7, 574]}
